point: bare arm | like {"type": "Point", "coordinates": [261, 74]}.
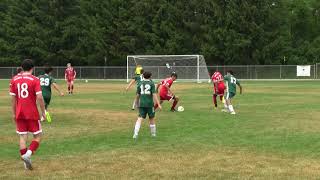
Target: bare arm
{"type": "Point", "coordinates": [56, 87]}
{"type": "Point", "coordinates": [169, 90]}
{"type": "Point", "coordinates": [158, 86]}
{"type": "Point", "coordinates": [13, 104]}
{"type": "Point", "coordinates": [240, 89]}
{"type": "Point", "coordinates": [130, 84]}
{"type": "Point", "coordinates": [155, 97]}
{"type": "Point", "coordinates": [41, 103]}
{"type": "Point", "coordinates": [75, 74]}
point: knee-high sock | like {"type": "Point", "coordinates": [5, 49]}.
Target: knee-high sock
{"type": "Point", "coordinates": [153, 129]}
{"type": "Point", "coordinates": [33, 147]}
{"type": "Point", "coordinates": [175, 102]}
{"type": "Point", "coordinates": [68, 88]}
{"type": "Point", "coordinates": [231, 108]}
{"type": "Point", "coordinates": [71, 87]}
{"type": "Point", "coordinates": [137, 127]}
{"type": "Point", "coordinates": [215, 100]}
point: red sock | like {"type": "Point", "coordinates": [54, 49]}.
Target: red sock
{"type": "Point", "coordinates": [215, 100]}
{"type": "Point", "coordinates": [69, 88]}
{"type": "Point", "coordinates": [175, 102]}
{"type": "Point", "coordinates": [23, 151]}
{"type": "Point", "coordinates": [221, 97]}
{"type": "Point", "coordinates": [34, 146]}
{"type": "Point", "coordinates": [155, 106]}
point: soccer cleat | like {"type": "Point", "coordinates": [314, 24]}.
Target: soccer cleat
{"type": "Point", "coordinates": [233, 112]}
{"type": "Point", "coordinates": [48, 117]}
{"type": "Point", "coordinates": [153, 135]}
{"type": "Point", "coordinates": [173, 110]}
{"type": "Point", "coordinates": [27, 160]}
{"type": "Point", "coordinates": [135, 136]}
{"type": "Point", "coordinates": [224, 110]}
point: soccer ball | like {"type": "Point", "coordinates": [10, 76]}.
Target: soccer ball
{"type": "Point", "coordinates": [86, 81]}
{"type": "Point", "coordinates": [180, 109]}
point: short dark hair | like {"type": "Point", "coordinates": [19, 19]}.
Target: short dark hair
{"type": "Point", "coordinates": [230, 71]}
{"type": "Point", "coordinates": [27, 64]}
{"type": "Point", "coordinates": [174, 74]}
{"type": "Point", "coordinates": [147, 75]}
{"type": "Point", "coordinates": [19, 70]}
{"type": "Point", "coordinates": [48, 69]}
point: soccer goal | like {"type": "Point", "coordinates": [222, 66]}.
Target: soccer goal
{"type": "Point", "coordinates": [188, 67]}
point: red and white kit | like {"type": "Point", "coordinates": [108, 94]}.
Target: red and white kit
{"type": "Point", "coordinates": [219, 86]}
{"type": "Point", "coordinates": [25, 88]}
{"type": "Point", "coordinates": [164, 94]}
{"type": "Point", "coordinates": [70, 74]}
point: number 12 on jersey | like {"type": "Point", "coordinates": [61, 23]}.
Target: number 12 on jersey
{"type": "Point", "coordinates": [145, 89]}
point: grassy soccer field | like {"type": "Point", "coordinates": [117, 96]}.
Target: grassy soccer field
{"type": "Point", "coordinates": [275, 135]}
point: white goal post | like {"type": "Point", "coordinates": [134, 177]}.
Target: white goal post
{"type": "Point", "coordinates": [187, 67]}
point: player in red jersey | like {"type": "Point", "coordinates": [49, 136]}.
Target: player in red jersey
{"type": "Point", "coordinates": [69, 76]}
{"type": "Point", "coordinates": [26, 91]}
{"type": "Point", "coordinates": [218, 88]}
{"type": "Point", "coordinates": [165, 92]}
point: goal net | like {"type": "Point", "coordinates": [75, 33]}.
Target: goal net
{"type": "Point", "coordinates": [187, 67]}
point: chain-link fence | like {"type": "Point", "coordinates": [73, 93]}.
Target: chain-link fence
{"type": "Point", "coordinates": [271, 72]}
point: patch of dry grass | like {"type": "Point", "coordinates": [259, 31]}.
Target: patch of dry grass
{"type": "Point", "coordinates": [221, 163]}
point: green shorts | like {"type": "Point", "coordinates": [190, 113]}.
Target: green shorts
{"type": "Point", "coordinates": [229, 95]}
{"type": "Point", "coordinates": [47, 100]}
{"type": "Point", "coordinates": [144, 111]}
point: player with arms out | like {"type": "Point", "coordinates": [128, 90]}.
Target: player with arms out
{"type": "Point", "coordinates": [25, 91]}
{"type": "Point", "coordinates": [231, 83]}
{"type": "Point", "coordinates": [136, 79]}
{"type": "Point", "coordinates": [46, 81]}
{"type": "Point", "coordinates": [147, 94]}
{"type": "Point", "coordinates": [218, 88]}
{"type": "Point", "coordinates": [70, 76]}
{"type": "Point", "coordinates": [166, 93]}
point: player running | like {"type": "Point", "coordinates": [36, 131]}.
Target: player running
{"type": "Point", "coordinates": [25, 91]}
{"type": "Point", "coordinates": [136, 79]}
{"type": "Point", "coordinates": [231, 83]}
{"type": "Point", "coordinates": [46, 81]}
{"type": "Point", "coordinates": [70, 76]}
{"type": "Point", "coordinates": [218, 88]}
{"type": "Point", "coordinates": [166, 93]}
{"type": "Point", "coordinates": [146, 94]}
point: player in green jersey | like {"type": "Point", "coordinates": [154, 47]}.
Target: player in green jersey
{"type": "Point", "coordinates": [146, 93]}
{"type": "Point", "coordinates": [46, 81]}
{"type": "Point", "coordinates": [136, 79]}
{"type": "Point", "coordinates": [231, 90]}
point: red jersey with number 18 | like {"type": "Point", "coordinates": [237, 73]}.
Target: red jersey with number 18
{"type": "Point", "coordinates": [26, 87]}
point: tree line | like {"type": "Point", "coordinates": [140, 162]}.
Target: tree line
{"type": "Point", "coordinates": [95, 32]}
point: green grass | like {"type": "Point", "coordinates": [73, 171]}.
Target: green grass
{"type": "Point", "coordinates": [275, 135]}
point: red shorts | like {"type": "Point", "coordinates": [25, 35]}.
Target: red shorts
{"type": "Point", "coordinates": [220, 89]}
{"type": "Point", "coordinates": [24, 126]}
{"type": "Point", "coordinates": [166, 97]}
{"type": "Point", "coordinates": [70, 80]}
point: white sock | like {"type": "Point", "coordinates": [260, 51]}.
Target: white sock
{"type": "Point", "coordinates": [134, 104]}
{"type": "Point", "coordinates": [231, 108]}
{"type": "Point", "coordinates": [137, 128]}
{"type": "Point", "coordinates": [153, 129]}
{"type": "Point", "coordinates": [29, 153]}
{"type": "Point", "coordinates": [225, 106]}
